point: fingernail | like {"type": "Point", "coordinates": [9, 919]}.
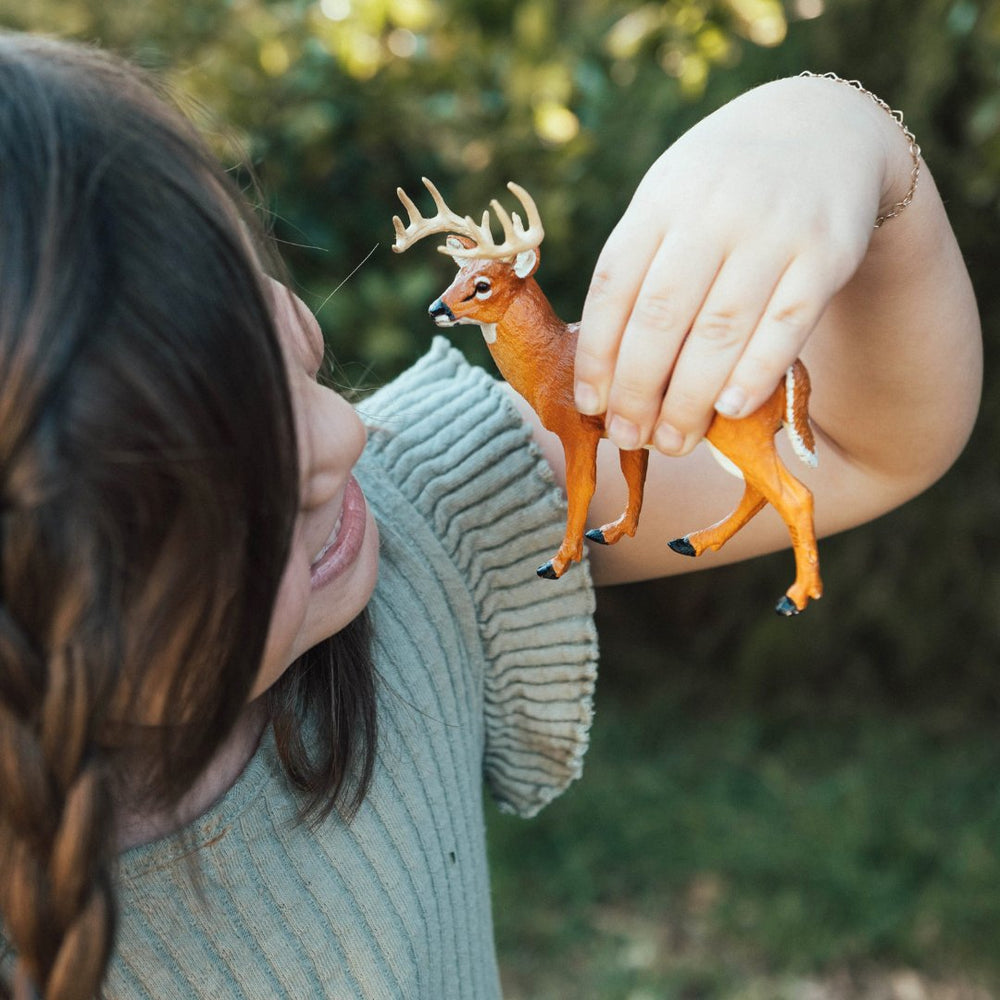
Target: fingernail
{"type": "Point", "coordinates": [667, 438]}
{"type": "Point", "coordinates": [731, 401]}
{"type": "Point", "coordinates": [587, 400]}
{"type": "Point", "coordinates": [624, 433]}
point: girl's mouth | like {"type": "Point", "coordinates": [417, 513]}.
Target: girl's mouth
{"type": "Point", "coordinates": [345, 540]}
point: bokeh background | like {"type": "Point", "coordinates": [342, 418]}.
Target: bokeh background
{"type": "Point", "coordinates": [771, 808]}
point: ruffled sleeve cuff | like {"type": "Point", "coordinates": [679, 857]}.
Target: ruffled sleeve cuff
{"type": "Point", "coordinates": [465, 459]}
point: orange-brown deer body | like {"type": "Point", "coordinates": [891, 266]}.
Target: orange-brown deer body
{"type": "Point", "coordinates": [534, 351]}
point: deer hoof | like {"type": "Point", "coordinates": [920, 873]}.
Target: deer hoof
{"type": "Point", "coordinates": [786, 606]}
{"type": "Point", "coordinates": [547, 571]}
{"type": "Point", "coordinates": [596, 535]}
{"type": "Point", "coordinates": [682, 546]}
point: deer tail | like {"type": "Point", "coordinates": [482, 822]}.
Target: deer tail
{"type": "Point", "coordinates": [797, 426]}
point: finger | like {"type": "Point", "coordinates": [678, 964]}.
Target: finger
{"type": "Point", "coordinates": [717, 339]}
{"type": "Point", "coordinates": [613, 289]}
{"type": "Point", "coordinates": [670, 296]}
{"type": "Point", "coordinates": [790, 316]}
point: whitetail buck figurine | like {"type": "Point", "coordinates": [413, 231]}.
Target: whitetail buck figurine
{"type": "Point", "coordinates": [534, 351]}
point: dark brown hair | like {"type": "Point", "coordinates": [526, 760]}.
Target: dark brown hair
{"type": "Point", "coordinates": [148, 491]}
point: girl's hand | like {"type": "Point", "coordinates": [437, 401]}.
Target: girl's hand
{"type": "Point", "coordinates": [732, 247]}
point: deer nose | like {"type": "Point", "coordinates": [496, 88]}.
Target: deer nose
{"type": "Point", "coordinates": [439, 311]}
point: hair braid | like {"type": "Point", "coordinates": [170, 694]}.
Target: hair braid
{"type": "Point", "coordinates": [56, 812]}
{"type": "Point", "coordinates": [148, 485]}
{"type": "Point", "coordinates": [148, 495]}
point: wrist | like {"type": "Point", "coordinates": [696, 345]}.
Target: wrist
{"type": "Point", "coordinates": [901, 157]}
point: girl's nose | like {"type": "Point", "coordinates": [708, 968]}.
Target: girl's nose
{"type": "Point", "coordinates": [334, 438]}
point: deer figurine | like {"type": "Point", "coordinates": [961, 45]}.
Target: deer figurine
{"type": "Point", "coordinates": [534, 351]}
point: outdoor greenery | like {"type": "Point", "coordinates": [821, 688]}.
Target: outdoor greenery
{"type": "Point", "coordinates": [770, 807]}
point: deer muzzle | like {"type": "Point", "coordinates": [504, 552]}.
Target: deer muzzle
{"type": "Point", "coordinates": [441, 314]}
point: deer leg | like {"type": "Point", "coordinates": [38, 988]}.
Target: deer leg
{"type": "Point", "coordinates": [794, 502]}
{"type": "Point", "coordinates": [749, 444]}
{"type": "Point", "coordinates": [581, 477]}
{"type": "Point", "coordinates": [714, 537]}
{"type": "Point", "coordinates": [633, 465]}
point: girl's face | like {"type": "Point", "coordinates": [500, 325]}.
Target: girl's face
{"type": "Point", "coordinates": [333, 559]}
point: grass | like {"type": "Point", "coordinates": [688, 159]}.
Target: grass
{"type": "Point", "coordinates": [739, 854]}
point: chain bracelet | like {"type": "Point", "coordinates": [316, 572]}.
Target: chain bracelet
{"type": "Point", "coordinates": [897, 117]}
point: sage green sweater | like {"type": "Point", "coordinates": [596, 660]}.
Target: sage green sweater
{"type": "Point", "coordinates": [483, 670]}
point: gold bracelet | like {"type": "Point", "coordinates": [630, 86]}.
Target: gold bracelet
{"type": "Point", "coordinates": [897, 117]}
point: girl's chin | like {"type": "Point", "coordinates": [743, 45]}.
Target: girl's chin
{"type": "Point", "coordinates": [330, 608]}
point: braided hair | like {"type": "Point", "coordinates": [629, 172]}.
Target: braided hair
{"type": "Point", "coordinates": [148, 488]}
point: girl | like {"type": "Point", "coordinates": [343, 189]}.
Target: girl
{"type": "Point", "coordinates": [217, 779]}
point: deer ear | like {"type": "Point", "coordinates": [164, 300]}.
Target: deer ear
{"type": "Point", "coordinates": [526, 263]}
{"type": "Point", "coordinates": [458, 244]}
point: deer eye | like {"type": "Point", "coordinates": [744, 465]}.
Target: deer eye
{"type": "Point", "coordinates": [482, 287]}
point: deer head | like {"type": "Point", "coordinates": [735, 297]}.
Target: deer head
{"type": "Point", "coordinates": [490, 275]}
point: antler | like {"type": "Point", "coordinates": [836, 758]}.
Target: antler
{"type": "Point", "coordinates": [516, 237]}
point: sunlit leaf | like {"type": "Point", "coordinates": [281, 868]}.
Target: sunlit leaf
{"type": "Point", "coordinates": [555, 123]}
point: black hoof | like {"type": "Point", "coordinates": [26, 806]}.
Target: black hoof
{"type": "Point", "coordinates": [786, 607]}
{"type": "Point", "coordinates": [682, 546]}
{"type": "Point", "coordinates": [547, 571]}
{"type": "Point", "coordinates": [596, 535]}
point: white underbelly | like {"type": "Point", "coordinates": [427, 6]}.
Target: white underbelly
{"type": "Point", "coordinates": [731, 467]}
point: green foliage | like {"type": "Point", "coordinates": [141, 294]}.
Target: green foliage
{"type": "Point", "coordinates": [702, 854]}
{"type": "Point", "coordinates": [338, 102]}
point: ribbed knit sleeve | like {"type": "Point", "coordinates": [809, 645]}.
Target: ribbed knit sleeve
{"type": "Point", "coordinates": [461, 454]}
